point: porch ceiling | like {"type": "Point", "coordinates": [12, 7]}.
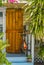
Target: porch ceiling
{"type": "Point", "coordinates": [13, 5]}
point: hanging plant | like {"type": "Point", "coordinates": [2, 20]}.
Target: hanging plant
{"type": "Point", "coordinates": [34, 11]}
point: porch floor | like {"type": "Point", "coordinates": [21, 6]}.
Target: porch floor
{"type": "Point", "coordinates": [15, 55]}
{"type": "Point", "coordinates": [18, 59]}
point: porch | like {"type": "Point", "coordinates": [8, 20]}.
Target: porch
{"type": "Point", "coordinates": [16, 59]}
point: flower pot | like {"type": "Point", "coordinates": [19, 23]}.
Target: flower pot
{"type": "Point", "coordinates": [29, 59]}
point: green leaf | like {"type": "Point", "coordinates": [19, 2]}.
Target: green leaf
{"type": "Point", "coordinates": [1, 35]}
{"type": "Point", "coordinates": [35, 15]}
{"type": "Point", "coordinates": [4, 46]}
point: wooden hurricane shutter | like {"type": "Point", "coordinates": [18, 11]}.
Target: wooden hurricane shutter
{"type": "Point", "coordinates": [14, 25]}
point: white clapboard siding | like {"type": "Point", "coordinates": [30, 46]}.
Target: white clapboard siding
{"type": "Point", "coordinates": [1, 20]}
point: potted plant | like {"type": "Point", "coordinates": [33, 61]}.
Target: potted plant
{"type": "Point", "coordinates": [3, 45]}
{"type": "Point", "coordinates": [29, 58]}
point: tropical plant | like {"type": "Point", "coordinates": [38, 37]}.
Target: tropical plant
{"type": "Point", "coordinates": [34, 15]}
{"type": "Point", "coordinates": [3, 45]}
{"type": "Point", "coordinates": [0, 2]}
{"type": "Point", "coordinates": [41, 52]}
{"type": "Point", "coordinates": [29, 56]}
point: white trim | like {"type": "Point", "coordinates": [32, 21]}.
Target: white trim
{"type": "Point", "coordinates": [3, 10]}
{"type": "Point", "coordinates": [33, 49]}
{"type": "Point", "coordinates": [4, 24]}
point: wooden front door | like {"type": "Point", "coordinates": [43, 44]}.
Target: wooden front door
{"type": "Point", "coordinates": [14, 25]}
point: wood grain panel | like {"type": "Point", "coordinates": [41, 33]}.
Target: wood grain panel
{"type": "Point", "coordinates": [14, 26]}
{"type": "Point", "coordinates": [7, 19]}
{"type": "Point", "coordinates": [11, 20]}
{"type": "Point", "coordinates": [8, 49]}
{"type": "Point", "coordinates": [18, 42]}
{"type": "Point", "coordinates": [14, 42]}
{"type": "Point", "coordinates": [14, 19]}
{"type": "Point", "coordinates": [20, 19]}
{"type": "Point", "coordinates": [17, 20]}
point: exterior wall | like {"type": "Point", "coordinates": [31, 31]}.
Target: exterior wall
{"type": "Point", "coordinates": [4, 24]}
{"type": "Point", "coordinates": [3, 21]}
{"type": "Point", "coordinates": [3, 10]}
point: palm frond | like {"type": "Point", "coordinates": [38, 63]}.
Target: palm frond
{"type": "Point", "coordinates": [35, 11]}
{"type": "Point", "coordinates": [1, 35]}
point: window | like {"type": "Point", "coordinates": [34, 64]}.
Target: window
{"type": "Point", "coordinates": [1, 28]}
{"type": "Point", "coordinates": [1, 17]}
{"type": "Point", "coordinates": [1, 22]}
{"type": "Point", "coordinates": [1, 14]}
